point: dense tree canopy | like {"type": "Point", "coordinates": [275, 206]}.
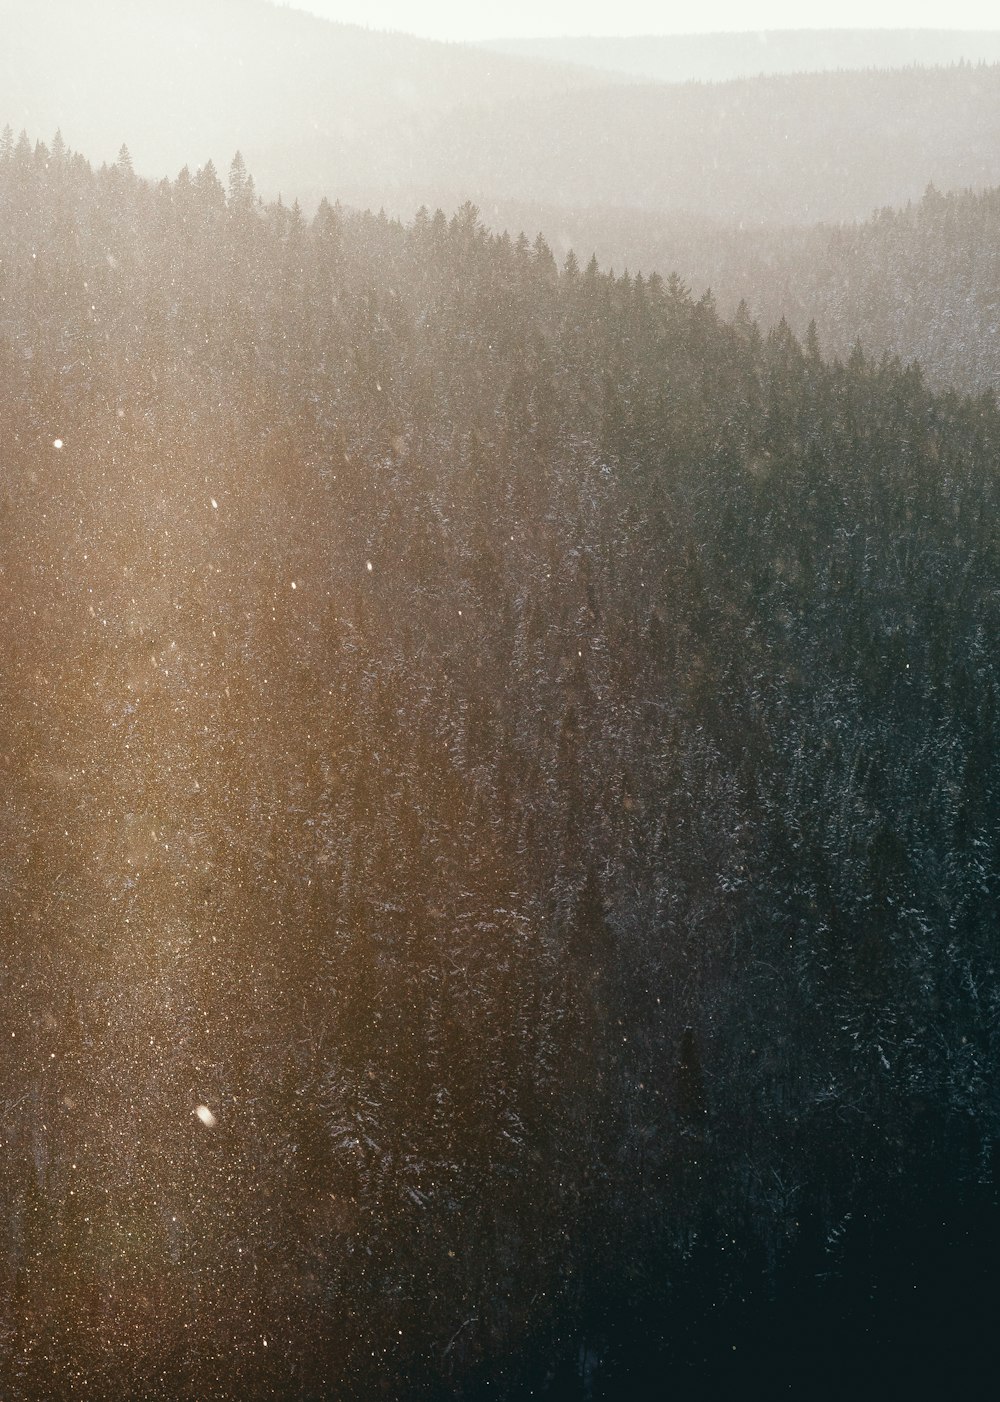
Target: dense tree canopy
{"type": "Point", "coordinates": [498, 823]}
{"type": "Point", "coordinates": [917, 282]}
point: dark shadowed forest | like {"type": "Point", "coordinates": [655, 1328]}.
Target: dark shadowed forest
{"type": "Point", "coordinates": [499, 840]}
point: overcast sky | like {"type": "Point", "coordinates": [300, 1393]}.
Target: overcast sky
{"type": "Point", "coordinates": [466, 19]}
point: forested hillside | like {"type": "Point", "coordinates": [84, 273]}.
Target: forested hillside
{"type": "Point", "coordinates": [498, 823]}
{"type": "Point", "coordinates": [919, 282]}
{"type": "Point", "coordinates": [797, 148]}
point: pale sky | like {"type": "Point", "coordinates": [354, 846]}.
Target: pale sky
{"type": "Point", "coordinates": [452, 19]}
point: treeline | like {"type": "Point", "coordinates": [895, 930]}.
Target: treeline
{"type": "Point", "coordinates": [520, 753]}
{"type": "Point", "coordinates": [717, 58]}
{"type": "Point", "coordinates": [917, 282]}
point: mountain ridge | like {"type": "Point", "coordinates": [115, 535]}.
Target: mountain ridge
{"type": "Point", "coordinates": [679, 58]}
{"type": "Point", "coordinates": [381, 119]}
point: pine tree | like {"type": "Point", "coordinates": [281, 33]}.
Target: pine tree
{"type": "Point", "coordinates": [241, 187]}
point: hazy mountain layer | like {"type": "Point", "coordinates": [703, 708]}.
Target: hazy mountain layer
{"type": "Point", "coordinates": [321, 109]}
{"type": "Point", "coordinates": [679, 58]}
{"type": "Point", "coordinates": [313, 104]}
{"type": "Point", "coordinates": [793, 149]}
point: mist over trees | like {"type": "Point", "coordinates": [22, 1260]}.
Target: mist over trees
{"type": "Point", "coordinates": [920, 283]}
{"type": "Point", "coordinates": [917, 282]}
{"type": "Point", "coordinates": [716, 58]}
{"type": "Point", "coordinates": [499, 817]}
{"type": "Point", "coordinates": [387, 120]}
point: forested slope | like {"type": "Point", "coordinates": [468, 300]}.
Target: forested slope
{"type": "Point", "coordinates": [918, 282]}
{"type": "Point", "coordinates": [796, 148]}
{"type": "Point", "coordinates": [921, 282]}
{"type": "Point", "coordinates": [521, 753]}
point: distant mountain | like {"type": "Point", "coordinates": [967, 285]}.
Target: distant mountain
{"type": "Point", "coordinates": [387, 120]}
{"type": "Point", "coordinates": [795, 149]}
{"type": "Point", "coordinates": [678, 58]}
{"type": "Point", "coordinates": [311, 104]}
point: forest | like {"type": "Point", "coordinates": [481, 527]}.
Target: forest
{"type": "Point", "coordinates": [919, 281]}
{"type": "Point", "coordinates": [498, 821]}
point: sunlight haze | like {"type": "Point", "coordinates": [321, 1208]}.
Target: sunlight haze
{"type": "Point", "coordinates": [448, 19]}
{"type": "Point", "coordinates": [499, 728]}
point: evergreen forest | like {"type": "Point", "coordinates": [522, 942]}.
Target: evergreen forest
{"type": "Point", "coordinates": [498, 832]}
